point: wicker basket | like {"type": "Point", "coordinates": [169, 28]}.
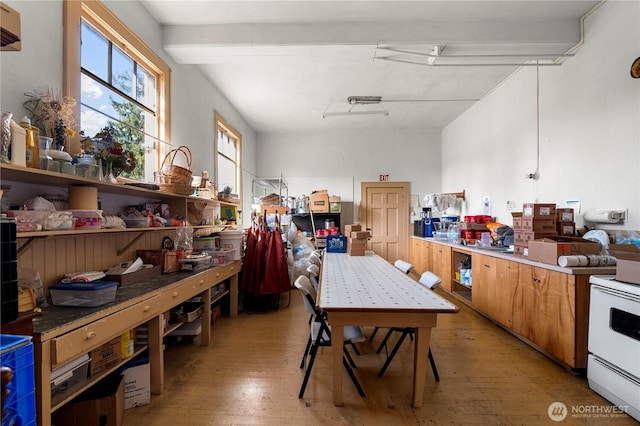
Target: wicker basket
{"type": "Point", "coordinates": [176, 174]}
{"type": "Point", "coordinates": [176, 188]}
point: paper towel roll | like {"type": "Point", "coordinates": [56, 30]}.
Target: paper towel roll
{"type": "Point", "coordinates": [83, 197]}
{"type": "Point", "coordinates": [601, 216]}
{"type": "Point", "coordinates": [588, 260]}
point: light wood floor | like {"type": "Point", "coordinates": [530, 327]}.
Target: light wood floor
{"type": "Point", "coordinates": [250, 375]}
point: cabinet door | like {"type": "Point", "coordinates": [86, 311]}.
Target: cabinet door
{"type": "Point", "coordinates": [484, 282]}
{"type": "Point", "coordinates": [441, 264]}
{"type": "Point", "coordinates": [544, 311]}
{"type": "Point", "coordinates": [502, 295]}
{"type": "Point", "coordinates": [420, 255]}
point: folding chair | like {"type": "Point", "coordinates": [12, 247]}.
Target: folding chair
{"type": "Point", "coordinates": [430, 280]}
{"type": "Point", "coordinates": [320, 335]}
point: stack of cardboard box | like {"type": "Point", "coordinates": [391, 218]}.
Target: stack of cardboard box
{"type": "Point", "coordinates": [356, 239]}
{"type": "Point", "coordinates": [565, 224]}
{"type": "Point", "coordinates": [534, 222]}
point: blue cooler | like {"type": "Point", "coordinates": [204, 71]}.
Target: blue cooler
{"type": "Point", "coordinates": [429, 226]}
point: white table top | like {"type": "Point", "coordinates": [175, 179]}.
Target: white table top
{"type": "Point", "coordinates": [357, 283]}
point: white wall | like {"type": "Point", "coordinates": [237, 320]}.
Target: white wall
{"type": "Point", "coordinates": [193, 99]}
{"type": "Point", "coordinates": [340, 161]}
{"type": "Point", "coordinates": [589, 129]}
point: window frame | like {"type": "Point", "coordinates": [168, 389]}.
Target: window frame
{"type": "Point", "coordinates": [108, 24]}
{"type": "Point", "coordinates": [220, 124]}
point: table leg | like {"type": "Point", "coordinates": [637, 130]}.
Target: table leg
{"type": "Point", "coordinates": [420, 353]}
{"type": "Point", "coordinates": [337, 341]}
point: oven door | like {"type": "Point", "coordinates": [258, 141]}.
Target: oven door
{"type": "Point", "coordinates": [614, 324]}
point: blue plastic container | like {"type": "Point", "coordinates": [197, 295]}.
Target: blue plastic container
{"type": "Point", "coordinates": [16, 352]}
{"type": "Point", "coordinates": [336, 244]}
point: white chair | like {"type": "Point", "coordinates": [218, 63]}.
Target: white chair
{"type": "Point", "coordinates": [429, 280]}
{"type": "Point", "coordinates": [314, 271]}
{"type": "Point", "coordinates": [320, 335]}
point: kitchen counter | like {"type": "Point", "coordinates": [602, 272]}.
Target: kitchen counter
{"type": "Point", "coordinates": [547, 306]}
{"type": "Point", "coordinates": [597, 270]}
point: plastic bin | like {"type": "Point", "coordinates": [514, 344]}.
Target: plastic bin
{"type": "Point", "coordinates": [69, 375]}
{"type": "Point", "coordinates": [85, 294]}
{"type": "Point", "coordinates": [232, 240]}
{"type": "Point", "coordinates": [16, 352]}
{"type": "Point", "coordinates": [221, 257]}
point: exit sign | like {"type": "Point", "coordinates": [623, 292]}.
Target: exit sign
{"type": "Point", "coordinates": [384, 178]}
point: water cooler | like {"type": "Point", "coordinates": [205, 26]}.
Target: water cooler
{"type": "Point", "coordinates": [424, 227]}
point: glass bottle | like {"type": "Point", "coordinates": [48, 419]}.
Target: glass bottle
{"type": "Point", "coordinates": [32, 143]}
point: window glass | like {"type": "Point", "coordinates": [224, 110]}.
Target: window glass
{"type": "Point", "coordinates": [226, 174]}
{"type": "Point", "coordinates": [122, 72]}
{"type": "Point", "coordinates": [146, 93]}
{"type": "Point", "coordinates": [95, 52]}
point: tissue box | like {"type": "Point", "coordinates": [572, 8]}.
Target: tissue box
{"type": "Point", "coordinates": [135, 277]}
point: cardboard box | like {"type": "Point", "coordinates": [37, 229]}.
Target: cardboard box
{"type": "Point", "coordinates": [523, 237]}
{"type": "Point", "coordinates": [137, 386]}
{"type": "Point", "coordinates": [564, 215]}
{"type": "Point", "coordinates": [335, 206]}
{"type": "Point", "coordinates": [105, 357]}
{"type": "Point", "coordinates": [517, 220]}
{"type": "Point", "coordinates": [360, 235]}
{"type": "Point", "coordinates": [168, 260]}
{"type": "Point", "coordinates": [100, 405]}
{"type": "Point", "coordinates": [520, 250]}
{"type": "Point", "coordinates": [135, 277]}
{"type": "Point", "coordinates": [319, 201]}
{"type": "Point", "coordinates": [539, 210]}
{"type": "Point", "coordinates": [566, 228]}
{"type": "Point", "coordinates": [274, 209]}
{"type": "Point", "coordinates": [355, 227]}
{"type": "Point", "coordinates": [628, 262]}
{"type": "Point", "coordinates": [530, 224]}
{"type": "Point", "coordinates": [547, 250]}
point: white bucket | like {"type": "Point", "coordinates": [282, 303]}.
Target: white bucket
{"type": "Point", "coordinates": [232, 240]}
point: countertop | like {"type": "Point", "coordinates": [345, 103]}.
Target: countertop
{"type": "Point", "coordinates": [599, 270]}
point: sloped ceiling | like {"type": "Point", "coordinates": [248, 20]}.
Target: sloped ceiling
{"type": "Point", "coordinates": [285, 64]}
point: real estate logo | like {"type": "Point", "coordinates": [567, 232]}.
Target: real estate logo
{"type": "Point", "coordinates": [557, 411]}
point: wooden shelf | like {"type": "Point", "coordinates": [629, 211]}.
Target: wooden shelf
{"type": "Point", "coordinates": [28, 175]}
{"type": "Point", "coordinates": [66, 396]}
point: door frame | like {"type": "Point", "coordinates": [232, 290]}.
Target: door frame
{"type": "Point", "coordinates": [404, 230]}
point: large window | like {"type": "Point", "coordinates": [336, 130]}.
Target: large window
{"type": "Point", "coordinates": [227, 153]}
{"type": "Point", "coordinates": [120, 82]}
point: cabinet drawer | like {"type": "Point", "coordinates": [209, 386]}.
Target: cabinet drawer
{"type": "Point", "coordinates": [182, 292]}
{"type": "Point", "coordinates": [221, 273]}
{"type": "Point", "coordinates": [86, 338]}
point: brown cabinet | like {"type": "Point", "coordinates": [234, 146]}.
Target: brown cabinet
{"type": "Point", "coordinates": [494, 285]}
{"type": "Point", "coordinates": [441, 263]}
{"type": "Point", "coordinates": [420, 255]}
{"type": "Point", "coordinates": [544, 311]}
{"type": "Point", "coordinates": [545, 305]}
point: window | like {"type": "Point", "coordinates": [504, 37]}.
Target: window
{"type": "Point", "coordinates": [227, 156]}
{"type": "Point", "coordinates": [120, 83]}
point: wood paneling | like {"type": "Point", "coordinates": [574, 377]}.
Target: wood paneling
{"type": "Point", "coordinates": [52, 257]}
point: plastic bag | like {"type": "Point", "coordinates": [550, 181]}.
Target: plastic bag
{"type": "Point", "coordinates": [30, 278]}
{"type": "Point", "coordinates": [302, 247]}
{"type": "Point", "coordinates": [184, 238]}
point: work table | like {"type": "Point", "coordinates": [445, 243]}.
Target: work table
{"type": "Point", "coordinates": [61, 334]}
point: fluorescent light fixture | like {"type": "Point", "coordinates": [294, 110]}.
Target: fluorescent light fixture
{"type": "Point", "coordinates": [346, 113]}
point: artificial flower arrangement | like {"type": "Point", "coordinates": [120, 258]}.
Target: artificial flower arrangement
{"type": "Point", "coordinates": [53, 114]}
{"type": "Point", "coordinates": [112, 154]}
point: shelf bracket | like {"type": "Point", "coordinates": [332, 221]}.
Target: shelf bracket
{"type": "Point", "coordinates": [132, 242]}
{"type": "Point", "coordinates": [26, 245]}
